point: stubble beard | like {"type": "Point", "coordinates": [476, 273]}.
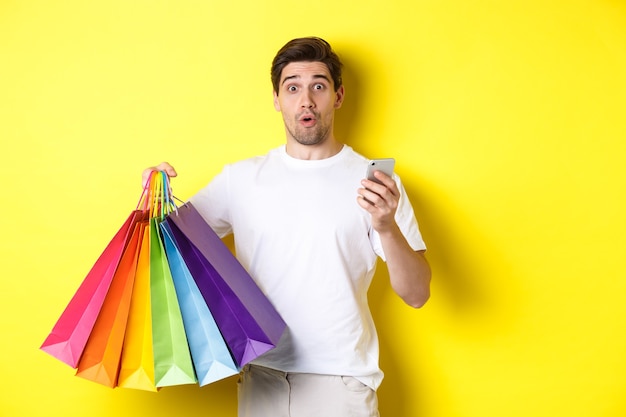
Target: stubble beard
{"type": "Point", "coordinates": [309, 136]}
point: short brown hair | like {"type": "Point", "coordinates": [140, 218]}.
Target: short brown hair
{"type": "Point", "coordinates": [310, 49]}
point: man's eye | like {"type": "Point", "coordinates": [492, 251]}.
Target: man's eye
{"type": "Point", "coordinates": [292, 88]}
{"type": "Point", "coordinates": [318, 87]}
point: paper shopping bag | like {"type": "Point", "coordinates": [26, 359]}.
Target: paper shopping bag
{"type": "Point", "coordinates": [172, 359]}
{"type": "Point", "coordinates": [137, 364]}
{"type": "Point", "coordinates": [210, 354]}
{"type": "Point", "coordinates": [69, 335]}
{"type": "Point", "coordinates": [100, 361]}
{"type": "Point", "coordinates": [249, 323]}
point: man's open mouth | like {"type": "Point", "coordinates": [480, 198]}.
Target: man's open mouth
{"type": "Point", "coordinates": [307, 119]}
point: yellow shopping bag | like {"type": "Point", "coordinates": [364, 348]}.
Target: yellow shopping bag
{"type": "Point", "coordinates": [137, 366]}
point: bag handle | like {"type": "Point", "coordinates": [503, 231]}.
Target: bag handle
{"type": "Point", "coordinates": [156, 197]}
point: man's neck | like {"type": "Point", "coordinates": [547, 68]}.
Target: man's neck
{"type": "Point", "coordinates": [313, 152]}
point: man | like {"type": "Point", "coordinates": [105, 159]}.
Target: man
{"type": "Point", "coordinates": [308, 227]}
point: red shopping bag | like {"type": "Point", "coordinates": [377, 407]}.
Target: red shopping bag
{"type": "Point", "coordinates": [69, 335]}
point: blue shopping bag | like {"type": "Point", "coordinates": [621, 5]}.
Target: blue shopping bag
{"type": "Point", "coordinates": [211, 357]}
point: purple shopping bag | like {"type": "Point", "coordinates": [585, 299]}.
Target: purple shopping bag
{"type": "Point", "coordinates": [249, 323]}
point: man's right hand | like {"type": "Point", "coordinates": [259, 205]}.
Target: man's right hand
{"type": "Point", "coordinates": [163, 166]}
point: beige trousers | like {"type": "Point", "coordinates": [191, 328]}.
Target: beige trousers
{"type": "Point", "coordinates": [265, 392]}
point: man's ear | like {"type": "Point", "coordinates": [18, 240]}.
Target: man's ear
{"type": "Point", "coordinates": [276, 102]}
{"type": "Point", "coordinates": [339, 95]}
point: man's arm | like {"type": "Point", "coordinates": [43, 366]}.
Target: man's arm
{"type": "Point", "coordinates": [409, 271]}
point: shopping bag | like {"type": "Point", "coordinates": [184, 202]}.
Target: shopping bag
{"type": "Point", "coordinates": [247, 320]}
{"type": "Point", "coordinates": [210, 354]}
{"type": "Point", "coordinates": [69, 335]}
{"type": "Point", "coordinates": [137, 364]}
{"type": "Point", "coordinates": [100, 361]}
{"type": "Point", "coordinates": [172, 358]}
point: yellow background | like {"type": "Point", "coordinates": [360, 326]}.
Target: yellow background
{"type": "Point", "coordinates": [507, 122]}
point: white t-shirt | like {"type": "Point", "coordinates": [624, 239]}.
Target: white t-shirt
{"type": "Point", "coordinates": [311, 248]}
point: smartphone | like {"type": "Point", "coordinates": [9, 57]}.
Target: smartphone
{"type": "Point", "coordinates": [385, 165]}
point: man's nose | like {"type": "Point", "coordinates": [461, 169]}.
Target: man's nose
{"type": "Point", "coordinates": [307, 100]}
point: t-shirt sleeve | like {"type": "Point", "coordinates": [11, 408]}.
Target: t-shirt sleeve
{"type": "Point", "coordinates": [212, 202]}
{"type": "Point", "coordinates": [405, 218]}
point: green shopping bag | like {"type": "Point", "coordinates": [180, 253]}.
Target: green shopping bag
{"type": "Point", "coordinates": [172, 359]}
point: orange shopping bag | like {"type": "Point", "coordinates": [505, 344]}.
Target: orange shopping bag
{"type": "Point", "coordinates": [101, 359]}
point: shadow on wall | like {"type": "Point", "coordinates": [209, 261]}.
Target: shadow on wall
{"type": "Point", "coordinates": [392, 394]}
{"type": "Point", "coordinates": [349, 114]}
{"type": "Point", "coordinates": [460, 266]}
{"type": "Point", "coordinates": [461, 283]}
{"type": "Point", "coordinates": [459, 288]}
{"type": "Point", "coordinates": [457, 265]}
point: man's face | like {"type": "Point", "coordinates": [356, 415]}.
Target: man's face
{"type": "Point", "coordinates": [307, 100]}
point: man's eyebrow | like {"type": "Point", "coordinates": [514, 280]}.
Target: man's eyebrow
{"type": "Point", "coordinates": [322, 76]}
{"type": "Point", "coordinates": [293, 77]}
